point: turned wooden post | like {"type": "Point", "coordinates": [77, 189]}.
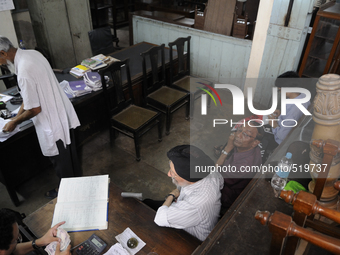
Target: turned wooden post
{"type": "Point", "coordinates": [306, 203]}
{"type": "Point", "coordinates": [326, 116]}
{"type": "Point", "coordinates": [337, 185]}
{"type": "Point", "coordinates": [281, 226]}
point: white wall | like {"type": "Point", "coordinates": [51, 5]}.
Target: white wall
{"type": "Point", "coordinates": [283, 46]}
{"type": "Point", "coordinates": [221, 58]}
{"type": "Point", "coordinates": [226, 59]}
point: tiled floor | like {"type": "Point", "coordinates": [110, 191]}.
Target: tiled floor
{"type": "Point", "coordinates": [147, 176]}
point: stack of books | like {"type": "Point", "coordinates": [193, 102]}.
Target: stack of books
{"type": "Point", "coordinates": [105, 59]}
{"type": "Point", "coordinates": [93, 80]}
{"type": "Point", "coordinates": [93, 64]}
{"type": "Point", "coordinates": [75, 88]}
{"type": "Point", "coordinates": [79, 70]}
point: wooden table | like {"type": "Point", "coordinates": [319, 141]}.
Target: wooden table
{"type": "Point", "coordinates": [93, 119]}
{"type": "Point", "coordinates": [164, 6]}
{"type": "Point", "coordinates": [123, 213]}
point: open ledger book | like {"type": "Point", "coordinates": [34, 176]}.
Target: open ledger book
{"type": "Point", "coordinates": [83, 203]}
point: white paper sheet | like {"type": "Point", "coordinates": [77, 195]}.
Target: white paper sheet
{"type": "Point", "coordinates": [125, 236]}
{"type": "Point", "coordinates": [6, 5]}
{"type": "Point", "coordinates": [117, 249]}
{"type": "Point", "coordinates": [3, 97]}
{"type": "Point", "coordinates": [5, 136]}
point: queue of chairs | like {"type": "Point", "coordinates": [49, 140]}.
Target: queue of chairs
{"type": "Point", "coordinates": [158, 96]}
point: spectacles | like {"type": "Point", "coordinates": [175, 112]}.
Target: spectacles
{"type": "Point", "coordinates": [244, 134]}
{"type": "Point", "coordinates": [18, 240]}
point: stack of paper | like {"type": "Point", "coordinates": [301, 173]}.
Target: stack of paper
{"type": "Point", "coordinates": [93, 80]}
{"type": "Point", "coordinates": [79, 70]}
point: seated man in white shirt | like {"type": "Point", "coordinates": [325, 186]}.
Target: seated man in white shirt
{"type": "Point", "coordinates": [195, 204]}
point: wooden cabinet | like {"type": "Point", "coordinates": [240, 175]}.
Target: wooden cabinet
{"type": "Point", "coordinates": [111, 12]}
{"type": "Point", "coordinates": [122, 9]}
{"type": "Point", "coordinates": [102, 13]}
{"type": "Point", "coordinates": [322, 53]}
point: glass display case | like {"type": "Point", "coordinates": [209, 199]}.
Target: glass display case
{"type": "Point", "coordinates": [322, 53]}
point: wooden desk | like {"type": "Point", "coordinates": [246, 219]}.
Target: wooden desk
{"type": "Point", "coordinates": [164, 6]}
{"type": "Point", "coordinates": [159, 15]}
{"type": "Point", "coordinates": [21, 157]}
{"type": "Point", "coordinates": [182, 10]}
{"type": "Point", "coordinates": [14, 172]}
{"type": "Point", "coordinates": [123, 213]}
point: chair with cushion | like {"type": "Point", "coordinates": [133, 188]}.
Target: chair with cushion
{"type": "Point", "coordinates": [101, 41]}
{"type": "Point", "coordinates": [125, 117]}
{"type": "Point", "coordinates": [180, 77]}
{"type": "Point", "coordinates": [156, 95]}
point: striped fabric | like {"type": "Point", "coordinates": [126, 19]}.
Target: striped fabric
{"type": "Point", "coordinates": [196, 209]}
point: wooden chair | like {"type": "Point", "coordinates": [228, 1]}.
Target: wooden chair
{"type": "Point", "coordinates": [160, 97]}
{"type": "Point", "coordinates": [101, 41]}
{"type": "Point", "coordinates": [181, 78]}
{"type": "Point", "coordinates": [240, 26]}
{"type": "Point", "coordinates": [125, 117]}
{"type": "Point", "coordinates": [199, 18]}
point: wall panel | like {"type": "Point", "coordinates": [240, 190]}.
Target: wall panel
{"type": "Point", "coordinates": [213, 56]}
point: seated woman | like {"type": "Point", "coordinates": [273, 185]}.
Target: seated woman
{"type": "Point", "coordinates": [275, 131]}
{"type": "Point", "coordinates": [240, 153]}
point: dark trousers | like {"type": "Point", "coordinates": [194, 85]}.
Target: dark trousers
{"type": "Point", "coordinates": [154, 204]}
{"type": "Point", "coordinates": [66, 164]}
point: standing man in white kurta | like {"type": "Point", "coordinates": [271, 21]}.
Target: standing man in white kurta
{"type": "Point", "coordinates": [46, 104]}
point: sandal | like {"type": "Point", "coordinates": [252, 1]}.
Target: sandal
{"type": "Point", "coordinates": [53, 193]}
{"type": "Point", "coordinates": [217, 150]}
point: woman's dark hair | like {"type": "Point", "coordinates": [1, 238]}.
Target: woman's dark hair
{"type": "Point", "coordinates": [282, 81]}
{"type": "Point", "coordinates": [7, 219]}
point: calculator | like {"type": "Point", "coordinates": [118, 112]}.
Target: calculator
{"type": "Point", "coordinates": [92, 246]}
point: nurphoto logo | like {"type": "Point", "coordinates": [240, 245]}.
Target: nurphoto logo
{"type": "Point", "coordinates": [238, 101]}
